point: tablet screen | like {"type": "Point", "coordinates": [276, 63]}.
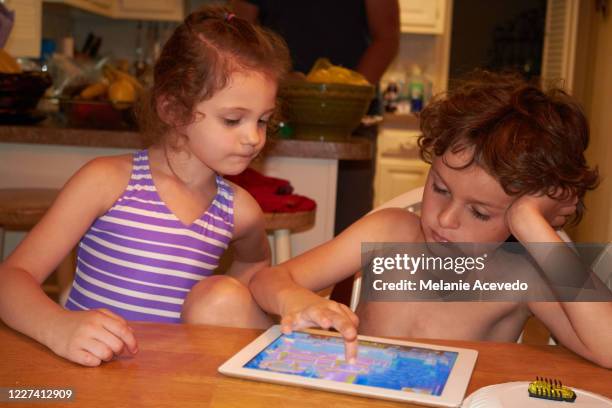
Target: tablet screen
{"type": "Point", "coordinates": [394, 367]}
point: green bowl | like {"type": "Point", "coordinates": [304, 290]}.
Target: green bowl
{"type": "Point", "coordinates": [325, 111]}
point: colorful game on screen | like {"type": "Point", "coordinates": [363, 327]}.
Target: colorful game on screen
{"type": "Point", "coordinates": [394, 367]}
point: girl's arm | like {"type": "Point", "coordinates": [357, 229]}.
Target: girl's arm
{"type": "Point", "coordinates": [250, 247]}
{"type": "Point", "coordinates": [83, 337]}
{"type": "Point", "coordinates": [287, 289]}
{"type": "Point", "coordinates": [583, 327]}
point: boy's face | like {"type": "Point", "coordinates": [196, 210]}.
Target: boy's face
{"type": "Point", "coordinates": [463, 205]}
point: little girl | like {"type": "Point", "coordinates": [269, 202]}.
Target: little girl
{"type": "Point", "coordinates": [151, 225]}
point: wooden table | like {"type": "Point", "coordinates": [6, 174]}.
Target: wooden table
{"type": "Point", "coordinates": [177, 367]}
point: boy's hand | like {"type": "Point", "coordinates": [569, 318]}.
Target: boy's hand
{"type": "Point", "coordinates": [326, 314]}
{"type": "Point", "coordinates": [556, 211]}
{"type": "Point", "coordinates": [90, 337]}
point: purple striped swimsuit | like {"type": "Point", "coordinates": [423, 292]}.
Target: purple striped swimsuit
{"type": "Point", "coordinates": [140, 261]}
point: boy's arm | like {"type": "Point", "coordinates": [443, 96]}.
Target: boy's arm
{"type": "Point", "coordinates": [584, 327]}
{"type": "Point", "coordinates": [23, 304]}
{"type": "Point", "coordinates": [251, 250]}
{"type": "Point", "coordinates": [287, 289]}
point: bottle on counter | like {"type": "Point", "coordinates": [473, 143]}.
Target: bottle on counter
{"type": "Point", "coordinates": [416, 89]}
{"type": "Point", "coordinates": [390, 97]}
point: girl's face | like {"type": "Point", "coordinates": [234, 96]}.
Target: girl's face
{"type": "Point", "coordinates": [230, 128]}
{"type": "Point", "coordinates": [466, 205]}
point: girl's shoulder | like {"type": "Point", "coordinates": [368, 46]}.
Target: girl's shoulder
{"type": "Point", "coordinates": [106, 177]}
{"type": "Point", "coordinates": [247, 212]}
{"type": "Point", "coordinates": [110, 169]}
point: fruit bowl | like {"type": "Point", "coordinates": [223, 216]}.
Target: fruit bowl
{"type": "Point", "coordinates": [325, 111]}
{"type": "Point", "coordinates": [21, 92]}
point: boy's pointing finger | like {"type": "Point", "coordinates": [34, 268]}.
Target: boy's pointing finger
{"type": "Point", "coordinates": [350, 349]}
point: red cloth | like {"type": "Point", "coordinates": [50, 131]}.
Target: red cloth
{"type": "Point", "coordinates": [272, 194]}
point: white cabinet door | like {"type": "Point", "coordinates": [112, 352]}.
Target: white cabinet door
{"type": "Point", "coordinates": [162, 10]}
{"type": "Point", "coordinates": [398, 165]}
{"type": "Point", "coordinates": [101, 7]}
{"type": "Point", "coordinates": [398, 142]}
{"type": "Point", "coordinates": [422, 16]}
{"type": "Point", "coordinates": [168, 10]}
{"type": "Point", "coordinates": [396, 176]}
{"type": "Point", "coordinates": [104, 4]}
{"type": "Point", "coordinates": [24, 40]}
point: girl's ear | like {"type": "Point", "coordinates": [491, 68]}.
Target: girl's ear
{"type": "Point", "coordinates": [163, 106]}
{"type": "Point", "coordinates": [167, 112]}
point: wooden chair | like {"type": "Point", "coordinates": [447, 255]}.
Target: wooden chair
{"type": "Point", "coordinates": [281, 225]}
{"type": "Point", "coordinates": [20, 210]}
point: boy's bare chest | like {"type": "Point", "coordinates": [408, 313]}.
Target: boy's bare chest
{"type": "Point", "coordinates": [500, 321]}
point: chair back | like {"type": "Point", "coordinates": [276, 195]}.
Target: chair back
{"type": "Point", "coordinates": [410, 201]}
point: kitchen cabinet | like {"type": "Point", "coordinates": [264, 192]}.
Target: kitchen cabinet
{"type": "Point", "coordinates": [168, 10]}
{"type": "Point", "coordinates": [24, 40]}
{"type": "Point", "coordinates": [162, 10]}
{"type": "Point", "coordinates": [422, 16]}
{"type": "Point", "coordinates": [101, 7]}
{"type": "Point", "coordinates": [398, 165]}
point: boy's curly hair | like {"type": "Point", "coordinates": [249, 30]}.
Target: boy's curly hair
{"type": "Point", "coordinates": [529, 140]}
{"type": "Point", "coordinates": [198, 60]}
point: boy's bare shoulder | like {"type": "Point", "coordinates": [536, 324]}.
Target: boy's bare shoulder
{"type": "Point", "coordinates": [394, 225]}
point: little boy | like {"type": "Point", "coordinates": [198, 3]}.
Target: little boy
{"type": "Point", "coordinates": [506, 160]}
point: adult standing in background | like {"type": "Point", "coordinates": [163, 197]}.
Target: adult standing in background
{"type": "Point", "coordinates": [362, 35]}
{"type": "Point", "coordinates": [358, 34]}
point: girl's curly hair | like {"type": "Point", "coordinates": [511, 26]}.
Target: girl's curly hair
{"type": "Point", "coordinates": [198, 60]}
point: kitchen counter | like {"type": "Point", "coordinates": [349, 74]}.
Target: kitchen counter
{"type": "Point", "coordinates": [47, 154]}
{"type": "Point", "coordinates": [49, 133]}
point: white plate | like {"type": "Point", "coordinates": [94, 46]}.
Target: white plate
{"type": "Point", "coordinates": [514, 394]}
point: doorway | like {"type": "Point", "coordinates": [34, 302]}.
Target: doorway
{"type": "Point", "coordinates": [500, 35]}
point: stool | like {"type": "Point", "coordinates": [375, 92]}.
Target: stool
{"type": "Point", "coordinates": [20, 210]}
{"type": "Point", "coordinates": [281, 225]}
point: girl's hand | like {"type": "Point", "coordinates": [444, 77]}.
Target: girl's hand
{"type": "Point", "coordinates": [555, 211]}
{"type": "Point", "coordinates": [326, 314]}
{"type": "Point", "coordinates": [90, 337]}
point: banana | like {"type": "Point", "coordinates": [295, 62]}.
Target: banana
{"type": "Point", "coordinates": [122, 92]}
{"type": "Point", "coordinates": [118, 75]}
{"type": "Point", "coordinates": [95, 90]}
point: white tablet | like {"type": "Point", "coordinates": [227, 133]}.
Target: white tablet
{"type": "Point", "coordinates": [389, 369]}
